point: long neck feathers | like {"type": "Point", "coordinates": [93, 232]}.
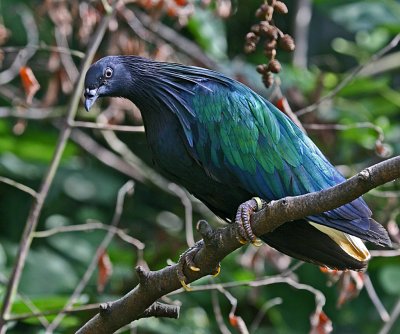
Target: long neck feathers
{"type": "Point", "coordinates": [163, 79]}
{"type": "Point", "coordinates": [160, 88]}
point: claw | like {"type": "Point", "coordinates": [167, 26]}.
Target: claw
{"type": "Point", "coordinates": [243, 215]}
{"type": "Point", "coordinates": [217, 271]}
{"type": "Point", "coordinates": [181, 275]}
{"type": "Point", "coordinates": [259, 202]}
{"type": "Point", "coordinates": [185, 286]}
{"type": "Point", "coordinates": [243, 241]}
{"type": "Point", "coordinates": [187, 259]}
{"type": "Point", "coordinates": [257, 242]}
{"type": "Point", "coordinates": [193, 268]}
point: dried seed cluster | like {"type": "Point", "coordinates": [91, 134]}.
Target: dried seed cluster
{"type": "Point", "coordinates": [273, 36]}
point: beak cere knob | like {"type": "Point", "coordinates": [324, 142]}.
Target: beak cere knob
{"type": "Point", "coordinates": [90, 97]}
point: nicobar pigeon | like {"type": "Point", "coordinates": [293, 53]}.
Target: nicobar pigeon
{"type": "Point", "coordinates": [226, 144]}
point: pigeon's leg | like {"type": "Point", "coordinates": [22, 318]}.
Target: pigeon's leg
{"type": "Point", "coordinates": [187, 259]}
{"type": "Point", "coordinates": [243, 215]}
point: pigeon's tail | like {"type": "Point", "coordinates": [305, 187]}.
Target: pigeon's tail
{"type": "Point", "coordinates": [319, 244]}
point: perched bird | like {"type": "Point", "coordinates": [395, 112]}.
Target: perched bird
{"type": "Point", "coordinates": [227, 144]}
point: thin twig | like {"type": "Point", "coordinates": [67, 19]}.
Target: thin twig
{"type": "Point", "coordinates": [385, 193]}
{"type": "Point", "coordinates": [34, 309]}
{"type": "Point", "coordinates": [110, 127]}
{"type": "Point", "coordinates": [261, 313]}
{"type": "Point", "coordinates": [37, 206]}
{"type": "Point", "coordinates": [393, 43]}
{"type": "Point", "coordinates": [240, 324]}
{"type": "Point", "coordinates": [385, 253]}
{"type": "Point", "coordinates": [30, 113]}
{"type": "Point", "coordinates": [89, 227]}
{"type": "Point", "coordinates": [43, 47]}
{"type": "Point", "coordinates": [77, 309]}
{"type": "Point", "coordinates": [393, 318]}
{"type": "Point", "coordinates": [18, 185]}
{"type": "Point", "coordinates": [218, 314]}
{"type": "Point", "coordinates": [66, 58]}
{"type": "Point", "coordinates": [107, 157]}
{"type": "Point", "coordinates": [375, 298]}
{"type": "Point", "coordinates": [126, 189]}
{"type": "Point", "coordinates": [184, 197]}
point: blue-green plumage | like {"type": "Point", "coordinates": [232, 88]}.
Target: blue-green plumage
{"type": "Point", "coordinates": [225, 144]}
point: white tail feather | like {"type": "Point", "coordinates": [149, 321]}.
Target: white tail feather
{"type": "Point", "coordinates": [350, 244]}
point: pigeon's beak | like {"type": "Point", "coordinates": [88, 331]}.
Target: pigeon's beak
{"type": "Point", "coordinates": [90, 97]}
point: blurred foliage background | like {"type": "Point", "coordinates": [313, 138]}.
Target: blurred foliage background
{"type": "Point", "coordinates": [339, 36]}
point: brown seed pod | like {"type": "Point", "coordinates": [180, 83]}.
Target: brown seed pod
{"type": "Point", "coordinates": [270, 44]}
{"type": "Point", "coordinates": [263, 25]}
{"type": "Point", "coordinates": [274, 66]}
{"type": "Point", "coordinates": [286, 43]}
{"type": "Point", "coordinates": [264, 7]}
{"type": "Point", "coordinates": [249, 47]}
{"type": "Point", "coordinates": [263, 68]}
{"type": "Point", "coordinates": [270, 53]}
{"type": "Point", "coordinates": [255, 28]}
{"type": "Point", "coordinates": [251, 37]}
{"type": "Point", "coordinates": [260, 13]}
{"type": "Point", "coordinates": [268, 79]}
{"type": "Point", "coordinates": [280, 7]}
{"type": "Point", "coordinates": [269, 31]}
{"type": "Point", "coordinates": [269, 13]}
{"type": "Point", "coordinates": [263, 10]}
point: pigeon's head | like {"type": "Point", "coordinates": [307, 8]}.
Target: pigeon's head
{"type": "Point", "coordinates": [106, 77]}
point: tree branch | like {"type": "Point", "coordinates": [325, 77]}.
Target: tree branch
{"type": "Point", "coordinates": [221, 242]}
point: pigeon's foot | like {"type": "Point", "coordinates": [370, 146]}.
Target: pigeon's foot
{"type": "Point", "coordinates": [187, 259]}
{"type": "Point", "coordinates": [243, 215]}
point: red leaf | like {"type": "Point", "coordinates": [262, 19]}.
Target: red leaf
{"type": "Point", "coordinates": [280, 104]}
{"type": "Point", "coordinates": [321, 324]}
{"type": "Point", "coordinates": [233, 320]}
{"type": "Point", "coordinates": [29, 82]}
{"type": "Point", "coordinates": [181, 2]}
{"type": "Point", "coordinates": [350, 285]}
{"type": "Point", "coordinates": [104, 271]}
{"type": "Point", "coordinates": [238, 323]}
{"type": "Point", "coordinates": [333, 274]}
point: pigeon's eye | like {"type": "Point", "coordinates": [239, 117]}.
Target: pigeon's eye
{"type": "Point", "coordinates": [108, 72]}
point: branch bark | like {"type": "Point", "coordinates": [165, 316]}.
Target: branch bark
{"type": "Point", "coordinates": [219, 243]}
